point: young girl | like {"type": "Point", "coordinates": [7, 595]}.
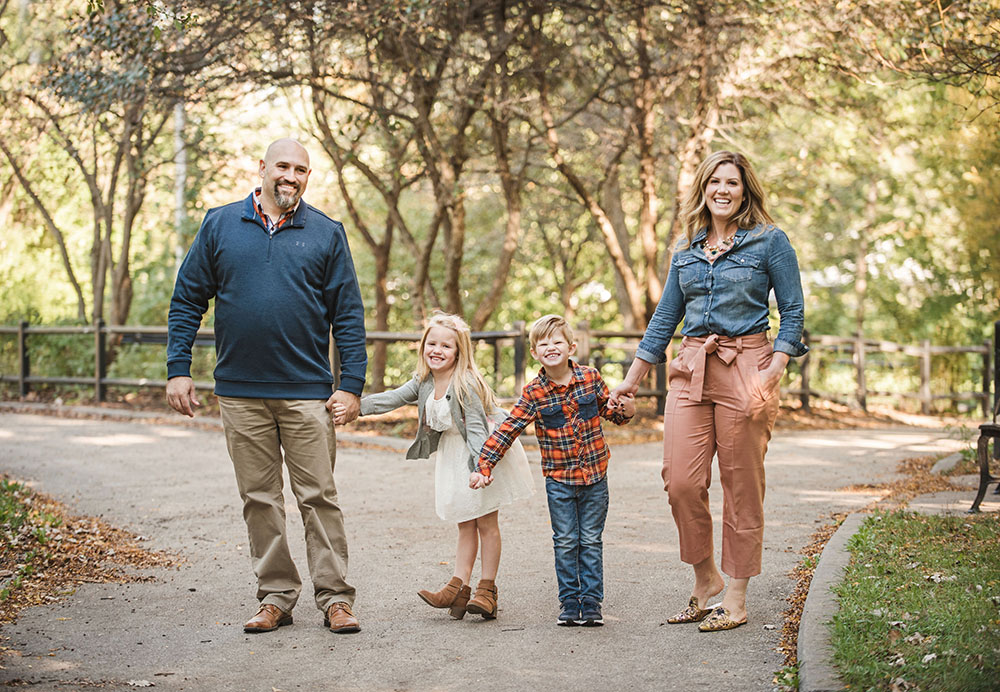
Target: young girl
{"type": "Point", "coordinates": [457, 411]}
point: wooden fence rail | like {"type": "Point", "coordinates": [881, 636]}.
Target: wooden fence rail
{"type": "Point", "coordinates": [597, 347]}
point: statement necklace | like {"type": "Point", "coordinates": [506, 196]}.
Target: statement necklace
{"type": "Point", "coordinates": [713, 251]}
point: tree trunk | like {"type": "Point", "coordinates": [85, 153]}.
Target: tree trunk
{"type": "Point", "coordinates": [649, 208]}
{"type": "Point", "coordinates": [180, 184]}
{"type": "Point", "coordinates": [379, 348]}
{"type": "Point", "coordinates": [511, 186]}
{"type": "Point", "coordinates": [57, 234]}
{"type": "Point", "coordinates": [453, 254]}
{"type": "Point", "coordinates": [618, 256]}
{"type": "Point", "coordinates": [692, 153]}
{"type": "Point", "coordinates": [611, 200]}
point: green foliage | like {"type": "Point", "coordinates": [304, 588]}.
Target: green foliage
{"type": "Point", "coordinates": [920, 602]}
{"type": "Point", "coordinates": [18, 521]}
{"type": "Point", "coordinates": [13, 512]}
{"type": "Point", "coordinates": [851, 155]}
{"type": "Point", "coordinates": [787, 678]}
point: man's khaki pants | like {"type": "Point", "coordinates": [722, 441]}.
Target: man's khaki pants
{"type": "Point", "coordinates": [257, 432]}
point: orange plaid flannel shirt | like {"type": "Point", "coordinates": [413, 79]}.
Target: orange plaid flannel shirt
{"type": "Point", "coordinates": [271, 228]}
{"type": "Point", "coordinates": [567, 422]}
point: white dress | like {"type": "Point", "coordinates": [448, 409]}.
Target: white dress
{"type": "Point", "coordinates": [454, 500]}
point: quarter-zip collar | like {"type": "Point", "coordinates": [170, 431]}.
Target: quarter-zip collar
{"type": "Point", "coordinates": [295, 219]}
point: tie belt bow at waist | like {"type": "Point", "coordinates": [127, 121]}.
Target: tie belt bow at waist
{"type": "Point", "coordinates": [726, 348]}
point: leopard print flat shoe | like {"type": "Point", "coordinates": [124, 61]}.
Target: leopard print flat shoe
{"type": "Point", "coordinates": [690, 614]}
{"type": "Point", "coordinates": [720, 620]}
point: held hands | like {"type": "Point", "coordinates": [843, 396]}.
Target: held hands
{"type": "Point", "coordinates": [478, 480]}
{"type": "Point", "coordinates": [339, 413]}
{"type": "Point", "coordinates": [181, 396]}
{"type": "Point", "coordinates": [343, 406]}
{"type": "Point", "coordinates": [626, 390]}
{"type": "Point", "coordinates": [625, 405]}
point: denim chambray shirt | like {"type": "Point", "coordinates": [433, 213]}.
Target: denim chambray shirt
{"type": "Point", "coordinates": [730, 297]}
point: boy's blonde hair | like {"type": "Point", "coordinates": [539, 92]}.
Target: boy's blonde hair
{"type": "Point", "coordinates": [466, 375]}
{"type": "Point", "coordinates": [546, 325]}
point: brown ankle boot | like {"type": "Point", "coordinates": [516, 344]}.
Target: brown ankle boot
{"type": "Point", "coordinates": [458, 606]}
{"type": "Point", "coordinates": [445, 597]}
{"type": "Point", "coordinates": [485, 601]}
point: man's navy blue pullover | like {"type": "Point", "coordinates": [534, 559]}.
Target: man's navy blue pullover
{"type": "Point", "coordinates": [276, 299]}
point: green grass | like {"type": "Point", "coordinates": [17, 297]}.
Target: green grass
{"type": "Point", "coordinates": [920, 604]}
{"type": "Point", "coordinates": [23, 533]}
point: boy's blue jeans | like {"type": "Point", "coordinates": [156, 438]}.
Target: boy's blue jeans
{"type": "Point", "coordinates": [578, 513]}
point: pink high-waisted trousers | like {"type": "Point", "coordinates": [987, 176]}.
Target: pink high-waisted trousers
{"type": "Point", "coordinates": [716, 404]}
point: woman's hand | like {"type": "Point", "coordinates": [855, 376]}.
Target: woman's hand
{"type": "Point", "coordinates": [770, 377]}
{"type": "Point", "coordinates": [625, 390]}
{"type": "Point", "coordinates": [630, 385]}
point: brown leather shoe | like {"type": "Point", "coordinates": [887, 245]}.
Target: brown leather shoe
{"type": "Point", "coordinates": [268, 619]}
{"type": "Point", "coordinates": [340, 619]}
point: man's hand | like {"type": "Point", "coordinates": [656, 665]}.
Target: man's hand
{"type": "Point", "coordinates": [181, 396]}
{"type": "Point", "coordinates": [339, 413]}
{"type": "Point", "coordinates": [348, 406]}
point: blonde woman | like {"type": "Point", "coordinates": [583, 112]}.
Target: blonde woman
{"type": "Point", "coordinates": [723, 384]}
{"type": "Point", "coordinates": [456, 411]}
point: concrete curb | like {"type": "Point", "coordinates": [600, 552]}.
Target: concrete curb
{"type": "Point", "coordinates": [815, 655]}
{"type": "Point", "coordinates": [947, 463]}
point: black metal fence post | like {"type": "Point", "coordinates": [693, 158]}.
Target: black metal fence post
{"type": "Point", "coordinates": [583, 343]}
{"type": "Point", "coordinates": [804, 371]}
{"type": "Point", "coordinates": [100, 360]}
{"type": "Point", "coordinates": [861, 392]}
{"type": "Point", "coordinates": [996, 384]}
{"type": "Point", "coordinates": [495, 343]}
{"type": "Point", "coordinates": [520, 352]}
{"type": "Point", "coordinates": [926, 400]}
{"type": "Point", "coordinates": [996, 364]}
{"type": "Point", "coordinates": [24, 360]}
{"type": "Point", "coordinates": [987, 378]}
{"type": "Point", "coordinates": [661, 388]}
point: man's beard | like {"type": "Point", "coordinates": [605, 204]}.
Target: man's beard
{"type": "Point", "coordinates": [286, 201]}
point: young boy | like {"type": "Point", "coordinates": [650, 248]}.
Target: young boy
{"type": "Point", "coordinates": [565, 403]}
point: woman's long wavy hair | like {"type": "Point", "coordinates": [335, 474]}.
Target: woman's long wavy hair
{"type": "Point", "coordinates": [694, 212]}
{"type": "Point", "coordinates": [466, 376]}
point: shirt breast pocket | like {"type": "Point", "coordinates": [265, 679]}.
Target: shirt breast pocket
{"type": "Point", "coordinates": [587, 404]}
{"type": "Point", "coordinates": [552, 417]}
{"type": "Point", "coordinates": [740, 267]}
{"type": "Point", "coordinates": [688, 270]}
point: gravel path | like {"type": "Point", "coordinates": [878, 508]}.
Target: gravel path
{"type": "Point", "coordinates": [174, 484]}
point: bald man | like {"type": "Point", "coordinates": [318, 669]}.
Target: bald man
{"type": "Point", "coordinates": [282, 277]}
